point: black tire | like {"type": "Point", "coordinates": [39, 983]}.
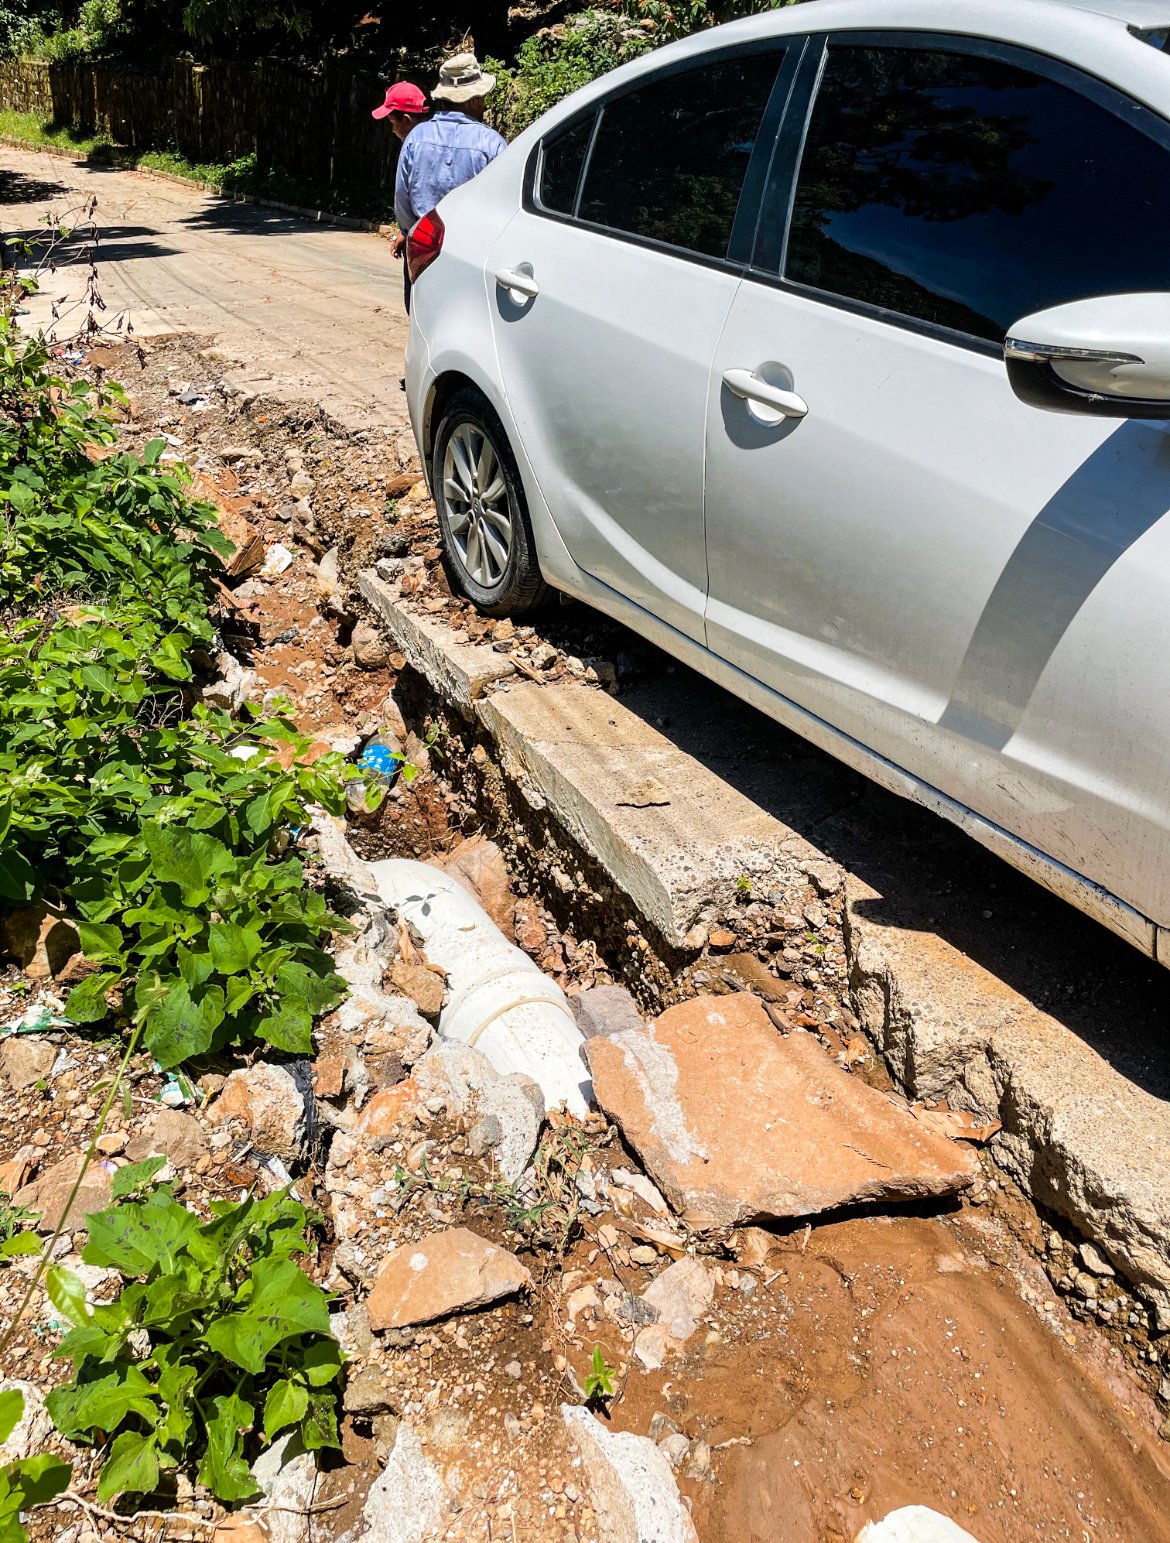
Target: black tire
{"type": "Point", "coordinates": [496, 584]}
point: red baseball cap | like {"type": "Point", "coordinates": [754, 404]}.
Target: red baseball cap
{"type": "Point", "coordinates": [402, 98]}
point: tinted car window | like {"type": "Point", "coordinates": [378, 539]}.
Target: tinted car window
{"type": "Point", "coordinates": [969, 192]}
{"type": "Point", "coordinates": [561, 161]}
{"type": "Point", "coordinates": [669, 159]}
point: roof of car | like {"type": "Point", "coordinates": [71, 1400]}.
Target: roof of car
{"type": "Point", "coordinates": [1142, 14]}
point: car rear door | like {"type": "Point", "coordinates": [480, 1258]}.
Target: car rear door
{"type": "Point", "coordinates": [970, 587]}
{"type": "Point", "coordinates": [610, 287]}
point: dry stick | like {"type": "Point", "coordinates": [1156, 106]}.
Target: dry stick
{"type": "Point", "coordinates": [91, 1153]}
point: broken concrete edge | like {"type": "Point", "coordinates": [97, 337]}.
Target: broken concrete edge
{"type": "Point", "coordinates": [127, 163]}
{"type": "Point", "coordinates": [574, 751]}
{"type": "Point", "coordinates": [945, 1027]}
{"type": "Point", "coordinates": [1079, 1138]}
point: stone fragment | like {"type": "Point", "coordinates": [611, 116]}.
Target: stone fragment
{"type": "Point", "coordinates": [721, 938]}
{"type": "Point", "coordinates": [175, 1135]}
{"type": "Point", "coordinates": [367, 1392]}
{"type": "Point", "coordinates": [25, 1060]}
{"type": "Point", "coordinates": [240, 1529]}
{"type": "Point", "coordinates": [679, 1296]}
{"type": "Point", "coordinates": [631, 1484]}
{"type": "Point", "coordinates": [477, 865]}
{"type": "Point", "coordinates": [273, 1105]}
{"type": "Point", "coordinates": [464, 1082]}
{"type": "Point", "coordinates": [369, 648]}
{"type": "Point", "coordinates": [408, 1502]}
{"type": "Point", "coordinates": [738, 1124]}
{"type": "Point", "coordinates": [41, 939]}
{"type": "Point", "coordinates": [49, 1195]}
{"type": "Point", "coordinates": [288, 1476]}
{"type": "Point", "coordinates": [1094, 1260]}
{"type": "Point", "coordinates": [449, 1272]}
{"type": "Point", "coordinates": [424, 988]}
{"type": "Point", "coordinates": [384, 1024]}
{"type": "Point", "coordinates": [30, 1432]}
{"type": "Point", "coordinates": [245, 538]}
{"type": "Point", "coordinates": [603, 1010]}
{"type": "Point", "coordinates": [232, 687]}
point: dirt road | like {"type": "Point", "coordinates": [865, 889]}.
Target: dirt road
{"type": "Point", "coordinates": [316, 313]}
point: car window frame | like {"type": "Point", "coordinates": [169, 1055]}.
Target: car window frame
{"type": "Point", "coordinates": [789, 49]}
{"type": "Point", "coordinates": [769, 255]}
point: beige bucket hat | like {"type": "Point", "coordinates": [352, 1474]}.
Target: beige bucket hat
{"type": "Point", "coordinates": [462, 80]}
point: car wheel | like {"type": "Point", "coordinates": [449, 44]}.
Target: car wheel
{"type": "Point", "coordinates": [488, 549]}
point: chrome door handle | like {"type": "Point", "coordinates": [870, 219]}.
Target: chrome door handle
{"type": "Point", "coordinates": [518, 283]}
{"type": "Point", "coordinates": [743, 383]}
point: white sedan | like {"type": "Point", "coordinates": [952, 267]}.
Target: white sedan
{"type": "Point", "coordinates": [830, 350]}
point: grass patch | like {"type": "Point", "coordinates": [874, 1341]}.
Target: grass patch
{"type": "Point", "coordinates": [360, 200]}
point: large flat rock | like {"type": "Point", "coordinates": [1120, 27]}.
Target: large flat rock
{"type": "Point", "coordinates": [739, 1124]}
{"type": "Point", "coordinates": [450, 1272]}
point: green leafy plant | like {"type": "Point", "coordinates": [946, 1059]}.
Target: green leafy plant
{"type": "Point", "coordinates": [162, 825]}
{"type": "Point", "coordinates": [16, 1235]}
{"type": "Point", "coordinates": [599, 1378]}
{"type": "Point", "coordinates": [216, 1337]}
{"type": "Point", "coordinates": [32, 1481]}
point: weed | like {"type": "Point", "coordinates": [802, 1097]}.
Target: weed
{"type": "Point", "coordinates": [33, 1481]}
{"type": "Point", "coordinates": [16, 1235]}
{"type": "Point", "coordinates": [238, 1340]}
{"type": "Point", "coordinates": [599, 1378]}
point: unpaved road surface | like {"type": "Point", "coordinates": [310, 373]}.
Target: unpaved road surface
{"type": "Point", "coordinates": [292, 308]}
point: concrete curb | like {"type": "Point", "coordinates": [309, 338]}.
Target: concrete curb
{"type": "Point", "coordinates": [317, 216]}
{"type": "Point", "coordinates": [1079, 1137]}
{"type": "Point", "coordinates": [582, 755]}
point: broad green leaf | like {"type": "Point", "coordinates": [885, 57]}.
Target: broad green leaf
{"type": "Point", "coordinates": [193, 967]}
{"type": "Point", "coordinates": [283, 1303]}
{"type": "Point", "coordinates": [100, 940]}
{"type": "Point", "coordinates": [66, 1291]}
{"type": "Point", "coordinates": [187, 858]}
{"type": "Point", "coordinates": [18, 881]}
{"type": "Point", "coordinates": [223, 1468]}
{"type": "Point", "coordinates": [289, 1028]}
{"type": "Point", "coordinates": [41, 1478]}
{"type": "Point", "coordinates": [317, 991]}
{"type": "Point", "coordinates": [321, 1362]}
{"type": "Point", "coordinates": [232, 947]}
{"type": "Point", "coordinates": [102, 1403]}
{"type": "Point", "coordinates": [131, 1468]}
{"type": "Point", "coordinates": [134, 1176]}
{"type": "Point", "coordinates": [136, 1237]}
{"type": "Point", "coordinates": [286, 1403]}
{"type": "Point", "coordinates": [319, 1425]}
{"type": "Point", "coordinates": [176, 1029]}
{"type": "Point", "coordinates": [86, 1003]}
{"type": "Point", "coordinates": [20, 1243]}
{"type": "Point", "coordinates": [11, 1409]}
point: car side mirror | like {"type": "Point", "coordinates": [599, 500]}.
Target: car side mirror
{"type": "Point", "coordinates": [1109, 356]}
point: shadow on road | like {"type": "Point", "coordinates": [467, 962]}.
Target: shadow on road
{"type": "Point", "coordinates": [17, 188]}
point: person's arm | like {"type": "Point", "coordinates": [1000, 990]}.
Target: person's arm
{"type": "Point", "coordinates": [403, 208]}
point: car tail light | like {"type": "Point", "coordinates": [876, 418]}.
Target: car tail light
{"type": "Point", "coordinates": [424, 244]}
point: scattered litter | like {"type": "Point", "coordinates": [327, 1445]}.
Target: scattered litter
{"type": "Point", "coordinates": [278, 561]}
{"type": "Point", "coordinates": [195, 400]}
{"type": "Point", "coordinates": [287, 636]}
{"type": "Point", "coordinates": [381, 762]}
{"type": "Point", "coordinates": [177, 1090]}
{"type": "Point", "coordinates": [34, 1020]}
{"type": "Point", "coordinates": [72, 356]}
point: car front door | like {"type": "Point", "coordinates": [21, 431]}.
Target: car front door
{"type": "Point", "coordinates": [610, 287]}
{"type": "Point", "coordinates": [972, 588]}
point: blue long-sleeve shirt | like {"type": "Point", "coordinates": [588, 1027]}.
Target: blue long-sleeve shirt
{"type": "Point", "coordinates": [443, 153]}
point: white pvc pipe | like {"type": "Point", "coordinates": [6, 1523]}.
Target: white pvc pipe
{"type": "Point", "coordinates": [499, 1001]}
{"type": "Point", "coordinates": [914, 1524]}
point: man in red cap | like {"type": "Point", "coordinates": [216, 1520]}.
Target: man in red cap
{"type": "Point", "coordinates": [405, 106]}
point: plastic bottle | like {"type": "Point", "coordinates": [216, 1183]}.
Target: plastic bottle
{"type": "Point", "coordinates": [380, 764]}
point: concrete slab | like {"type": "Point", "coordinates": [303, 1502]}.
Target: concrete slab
{"type": "Point", "coordinates": [1078, 1135]}
{"type": "Point", "coordinates": [460, 671]}
{"type": "Point", "coordinates": [591, 759]}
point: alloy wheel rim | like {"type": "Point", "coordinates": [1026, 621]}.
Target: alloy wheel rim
{"type": "Point", "coordinates": [479, 508]}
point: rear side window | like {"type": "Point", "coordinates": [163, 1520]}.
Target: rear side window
{"type": "Point", "coordinates": [967, 192]}
{"type": "Point", "coordinates": [561, 162]}
{"type": "Point", "coordinates": [669, 158]}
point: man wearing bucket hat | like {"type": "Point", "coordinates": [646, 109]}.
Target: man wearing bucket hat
{"type": "Point", "coordinates": [405, 106]}
{"type": "Point", "coordinates": [453, 146]}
